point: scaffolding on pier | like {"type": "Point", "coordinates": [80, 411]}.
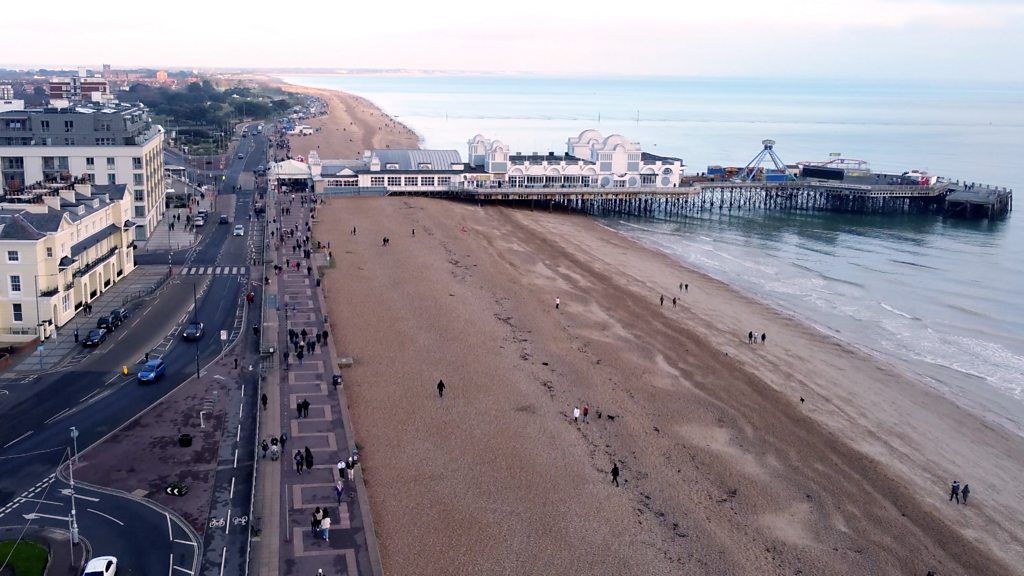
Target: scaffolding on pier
{"type": "Point", "coordinates": [750, 171]}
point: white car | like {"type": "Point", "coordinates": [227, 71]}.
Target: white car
{"type": "Point", "coordinates": [239, 230]}
{"type": "Point", "coordinates": [101, 566]}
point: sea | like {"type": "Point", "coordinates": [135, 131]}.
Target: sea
{"type": "Point", "coordinates": [941, 299]}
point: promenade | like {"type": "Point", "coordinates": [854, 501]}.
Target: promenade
{"type": "Point", "coordinates": [286, 499]}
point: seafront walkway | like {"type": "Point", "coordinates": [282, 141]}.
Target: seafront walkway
{"type": "Point", "coordinates": [287, 499]}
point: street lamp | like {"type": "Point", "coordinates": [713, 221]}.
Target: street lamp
{"type": "Point", "coordinates": [71, 470]}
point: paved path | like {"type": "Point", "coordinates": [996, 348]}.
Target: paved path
{"type": "Point", "coordinates": [288, 498]}
{"type": "Point", "coordinates": [164, 239]}
{"type": "Point", "coordinates": [61, 350]}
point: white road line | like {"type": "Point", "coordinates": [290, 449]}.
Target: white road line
{"type": "Point", "coordinates": [238, 434]}
{"type": "Point", "coordinates": [57, 415]}
{"type": "Point", "coordinates": [239, 411]}
{"type": "Point", "coordinates": [231, 493]}
{"type": "Point", "coordinates": [22, 437]}
{"type": "Point", "coordinates": [180, 568]}
{"type": "Point", "coordinates": [105, 516]}
{"type": "Point", "coordinates": [170, 570]}
{"type": "Point", "coordinates": [223, 554]}
{"type": "Point", "coordinates": [112, 378]}
{"type": "Point", "coordinates": [170, 533]}
{"type": "Point", "coordinates": [189, 542]}
{"type": "Point", "coordinates": [227, 522]}
{"type": "Point", "coordinates": [243, 390]}
{"type": "Point", "coordinates": [235, 465]}
{"type": "Point", "coordinates": [40, 501]}
{"type": "Point", "coordinates": [96, 391]}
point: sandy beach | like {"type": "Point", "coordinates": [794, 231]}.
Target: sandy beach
{"type": "Point", "coordinates": [724, 470]}
{"type": "Point", "coordinates": [352, 125]}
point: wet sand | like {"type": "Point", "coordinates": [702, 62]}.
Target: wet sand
{"type": "Point", "coordinates": [724, 470]}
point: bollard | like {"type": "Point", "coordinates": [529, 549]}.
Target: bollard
{"type": "Point", "coordinates": [124, 370]}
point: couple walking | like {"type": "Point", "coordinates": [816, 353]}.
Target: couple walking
{"type": "Point", "coordinates": [956, 492]}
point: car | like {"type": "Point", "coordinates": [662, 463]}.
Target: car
{"type": "Point", "coordinates": [113, 319]}
{"type": "Point", "coordinates": [200, 221]}
{"type": "Point", "coordinates": [203, 213]}
{"type": "Point", "coordinates": [239, 230]}
{"type": "Point", "coordinates": [152, 370]}
{"type": "Point", "coordinates": [101, 566]}
{"type": "Point", "coordinates": [95, 337]}
{"type": "Point", "coordinates": [245, 134]}
{"type": "Point", "coordinates": [241, 156]}
{"type": "Point", "coordinates": [194, 331]}
{"type": "Point", "coordinates": [223, 219]}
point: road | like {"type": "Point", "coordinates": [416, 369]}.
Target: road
{"type": "Point", "coordinates": [96, 399]}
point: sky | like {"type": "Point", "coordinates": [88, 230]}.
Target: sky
{"type": "Point", "coordinates": [852, 39]}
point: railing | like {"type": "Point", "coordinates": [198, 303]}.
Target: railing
{"type": "Point", "coordinates": [49, 292]}
{"type": "Point", "coordinates": [21, 330]}
{"type": "Point", "coordinates": [92, 265]}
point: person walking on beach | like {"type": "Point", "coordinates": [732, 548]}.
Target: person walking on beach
{"type": "Point", "coordinates": [954, 491]}
{"type": "Point", "coordinates": [673, 301]}
{"type": "Point", "coordinates": [440, 388]}
{"type": "Point", "coordinates": [662, 299]}
{"type": "Point", "coordinates": [586, 412]}
{"type": "Point", "coordinates": [263, 400]}
{"type": "Point", "coordinates": [680, 286]}
{"type": "Point", "coordinates": [965, 492]}
{"type": "Point", "coordinates": [763, 337]}
{"type": "Point", "coordinates": [558, 302]}
{"type": "Point", "coordinates": [686, 287]}
{"type": "Point", "coordinates": [615, 474]}
{"type": "Point", "coordinates": [576, 414]}
{"type": "Point", "coordinates": [750, 337]}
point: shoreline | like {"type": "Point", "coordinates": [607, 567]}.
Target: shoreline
{"type": "Point", "coordinates": [838, 410]}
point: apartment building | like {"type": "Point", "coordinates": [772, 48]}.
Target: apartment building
{"type": "Point", "coordinates": [60, 249]}
{"type": "Point", "coordinates": [45, 148]}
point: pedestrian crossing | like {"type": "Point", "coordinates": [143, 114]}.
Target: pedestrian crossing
{"type": "Point", "coordinates": [215, 270]}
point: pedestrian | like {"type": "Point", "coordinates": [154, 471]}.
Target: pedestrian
{"type": "Point", "coordinates": [236, 363]}
{"type": "Point", "coordinates": [750, 337]}
{"type": "Point", "coordinates": [299, 460]}
{"type": "Point", "coordinates": [586, 412]}
{"type": "Point", "coordinates": [558, 302]}
{"type": "Point", "coordinates": [305, 408]}
{"type": "Point", "coordinates": [615, 474]}
{"type": "Point", "coordinates": [309, 458]}
{"type": "Point", "coordinates": [954, 491]}
{"type": "Point", "coordinates": [339, 489]}
{"type": "Point", "coordinates": [319, 336]}
{"type": "Point", "coordinates": [680, 286]}
{"type": "Point", "coordinates": [76, 335]}
{"type": "Point", "coordinates": [263, 400]}
{"type": "Point", "coordinates": [440, 388]}
{"type": "Point", "coordinates": [284, 439]}
{"type": "Point", "coordinates": [286, 355]}
{"type": "Point", "coordinates": [673, 301]}
{"type": "Point", "coordinates": [325, 335]}
{"type": "Point", "coordinates": [264, 446]}
{"type": "Point", "coordinates": [351, 468]}
{"type": "Point", "coordinates": [965, 492]}
{"type": "Point", "coordinates": [303, 333]}
{"type": "Point", "coordinates": [413, 232]}
{"type": "Point", "coordinates": [325, 526]}
{"type": "Point", "coordinates": [576, 414]}
{"type": "Point", "coordinates": [299, 355]}
{"type": "Point", "coordinates": [312, 347]}
{"type": "Point", "coordinates": [341, 469]}
{"type": "Point", "coordinates": [687, 287]}
{"type": "Point", "coordinates": [298, 408]}
{"type": "Point", "coordinates": [763, 337]}
{"type": "Point", "coordinates": [314, 522]}
{"type": "Point", "coordinates": [662, 299]}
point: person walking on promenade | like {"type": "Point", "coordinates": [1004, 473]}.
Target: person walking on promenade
{"type": "Point", "coordinates": [314, 522]}
{"type": "Point", "coordinates": [750, 337]}
{"type": "Point", "coordinates": [576, 414]}
{"type": "Point", "coordinates": [299, 461]}
{"type": "Point", "coordinates": [558, 302]}
{"type": "Point", "coordinates": [965, 492]}
{"type": "Point", "coordinates": [284, 440]}
{"type": "Point", "coordinates": [351, 468]}
{"type": "Point", "coordinates": [299, 355]}
{"type": "Point", "coordinates": [662, 299]}
{"type": "Point", "coordinates": [286, 355]}
{"type": "Point", "coordinates": [264, 447]}
{"type": "Point", "coordinates": [339, 490]}
{"type": "Point", "coordinates": [309, 458]}
{"type": "Point", "coordinates": [263, 400]}
{"type": "Point", "coordinates": [303, 333]}
{"type": "Point", "coordinates": [319, 337]}
{"type": "Point", "coordinates": [325, 335]}
{"type": "Point", "coordinates": [763, 337]}
{"type": "Point", "coordinates": [298, 409]}
{"type": "Point", "coordinates": [615, 474]}
{"type": "Point", "coordinates": [325, 526]}
{"type": "Point", "coordinates": [954, 491]}
{"type": "Point", "coordinates": [76, 335]}
{"type": "Point", "coordinates": [440, 388]}
{"type": "Point", "coordinates": [305, 408]}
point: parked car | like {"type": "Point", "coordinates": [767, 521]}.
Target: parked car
{"type": "Point", "coordinates": [239, 230]}
{"type": "Point", "coordinates": [203, 213]}
{"type": "Point", "coordinates": [112, 320]}
{"type": "Point", "coordinates": [223, 219]}
{"type": "Point", "coordinates": [152, 370]}
{"type": "Point", "coordinates": [200, 221]}
{"type": "Point", "coordinates": [95, 337]}
{"type": "Point", "coordinates": [241, 156]}
{"type": "Point", "coordinates": [193, 331]}
{"type": "Point", "coordinates": [101, 566]}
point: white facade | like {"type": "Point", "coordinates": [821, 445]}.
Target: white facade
{"type": "Point", "coordinates": [59, 253]}
{"type": "Point", "coordinates": [140, 167]}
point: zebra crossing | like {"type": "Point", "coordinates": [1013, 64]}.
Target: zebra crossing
{"type": "Point", "coordinates": [215, 270]}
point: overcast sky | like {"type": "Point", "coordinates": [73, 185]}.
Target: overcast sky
{"type": "Point", "coordinates": [953, 39]}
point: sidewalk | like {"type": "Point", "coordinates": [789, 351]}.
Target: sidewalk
{"type": "Point", "coordinates": [61, 349]}
{"type": "Point", "coordinates": [164, 239]}
{"type": "Point", "coordinates": [287, 498]}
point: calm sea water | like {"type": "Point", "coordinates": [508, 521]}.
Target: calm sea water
{"type": "Point", "coordinates": [940, 298]}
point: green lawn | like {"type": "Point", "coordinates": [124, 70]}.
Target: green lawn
{"type": "Point", "coordinates": [29, 558]}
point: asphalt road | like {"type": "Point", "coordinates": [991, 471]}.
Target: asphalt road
{"type": "Point", "coordinates": [96, 399]}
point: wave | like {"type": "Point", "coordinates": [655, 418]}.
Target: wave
{"type": "Point", "coordinates": [897, 312]}
{"type": "Point", "coordinates": [915, 264]}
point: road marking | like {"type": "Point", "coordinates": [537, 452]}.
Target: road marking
{"type": "Point", "coordinates": [170, 533]}
{"type": "Point", "coordinates": [57, 415]}
{"type": "Point", "coordinates": [36, 515]}
{"type": "Point", "coordinates": [239, 411]}
{"type": "Point", "coordinates": [22, 499]}
{"type": "Point", "coordinates": [235, 465]}
{"type": "Point", "coordinates": [67, 492]}
{"type": "Point", "coordinates": [231, 493]}
{"type": "Point", "coordinates": [227, 521]}
{"type": "Point", "coordinates": [22, 437]}
{"type": "Point", "coordinates": [105, 516]}
{"type": "Point", "coordinates": [238, 434]}
{"type": "Point", "coordinates": [179, 567]}
{"type": "Point", "coordinates": [171, 569]}
{"type": "Point", "coordinates": [243, 390]}
{"type": "Point", "coordinates": [112, 378]}
{"type": "Point", "coordinates": [219, 377]}
{"type": "Point", "coordinates": [96, 391]}
{"type": "Point", "coordinates": [223, 554]}
{"type": "Point", "coordinates": [189, 542]}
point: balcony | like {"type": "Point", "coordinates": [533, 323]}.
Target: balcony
{"type": "Point", "coordinates": [49, 292]}
{"type": "Point", "coordinates": [92, 265]}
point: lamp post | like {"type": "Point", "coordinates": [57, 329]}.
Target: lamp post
{"type": "Point", "coordinates": [71, 470]}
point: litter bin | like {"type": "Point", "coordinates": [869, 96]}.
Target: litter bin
{"type": "Point", "coordinates": [184, 440]}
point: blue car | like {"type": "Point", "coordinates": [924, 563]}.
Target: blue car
{"type": "Point", "coordinates": [151, 371]}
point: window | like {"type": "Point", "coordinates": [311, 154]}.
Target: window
{"type": "Point", "coordinates": [69, 141]}
{"type": "Point", "coordinates": [69, 125]}
{"type": "Point", "coordinates": [140, 211]}
{"type": "Point", "coordinates": [15, 284]}
{"type": "Point", "coordinates": [137, 179]}
{"type": "Point", "coordinates": [140, 195]}
{"type": "Point", "coordinates": [425, 166]}
{"type": "Point", "coordinates": [394, 180]}
{"type": "Point", "coordinates": [49, 252]}
{"type": "Point", "coordinates": [110, 163]}
{"type": "Point", "coordinates": [105, 142]}
{"type": "Point", "coordinates": [137, 163]}
{"type": "Point", "coordinates": [91, 178]}
{"type": "Point", "coordinates": [427, 181]}
{"type": "Point", "coordinates": [13, 256]}
{"type": "Point", "coordinates": [391, 166]}
{"type": "Point", "coordinates": [648, 179]}
{"type": "Point", "coordinates": [444, 180]}
{"type": "Point", "coordinates": [17, 313]}
{"type": "Point", "coordinates": [65, 301]}
{"type": "Point", "coordinates": [90, 163]}
{"type": "Point", "coordinates": [111, 179]}
{"type": "Point", "coordinates": [411, 181]}
{"type": "Point", "coordinates": [44, 125]}
{"type": "Point", "coordinates": [376, 180]}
